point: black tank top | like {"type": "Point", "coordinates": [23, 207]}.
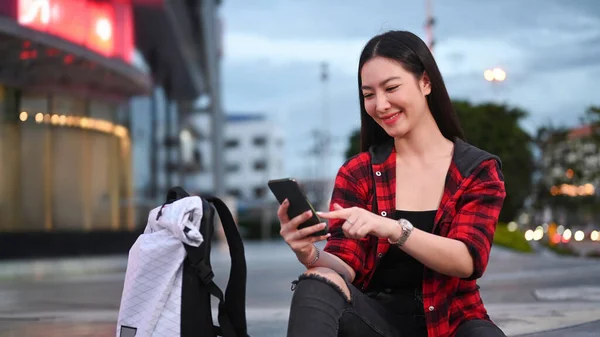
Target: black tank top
{"type": "Point", "coordinates": [398, 271]}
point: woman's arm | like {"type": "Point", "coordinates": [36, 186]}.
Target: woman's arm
{"type": "Point", "coordinates": [465, 252]}
{"type": "Point", "coordinates": [330, 261]}
{"type": "Point", "coordinates": [342, 254]}
{"type": "Point", "coordinates": [445, 256]}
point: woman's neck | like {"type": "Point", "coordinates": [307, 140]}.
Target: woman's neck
{"type": "Point", "coordinates": [423, 143]}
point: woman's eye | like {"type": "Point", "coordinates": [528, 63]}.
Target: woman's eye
{"type": "Point", "coordinates": [368, 95]}
{"type": "Point", "coordinates": [390, 89]}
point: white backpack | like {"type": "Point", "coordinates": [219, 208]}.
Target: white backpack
{"type": "Point", "coordinates": [169, 278]}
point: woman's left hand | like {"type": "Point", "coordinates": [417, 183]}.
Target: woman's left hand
{"type": "Point", "coordinates": [360, 223]}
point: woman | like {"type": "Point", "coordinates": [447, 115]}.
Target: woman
{"type": "Point", "coordinates": [412, 217]}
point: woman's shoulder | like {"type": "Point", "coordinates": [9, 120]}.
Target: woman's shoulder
{"type": "Point", "coordinates": [357, 162]}
{"type": "Point", "coordinates": [355, 173]}
{"type": "Point", "coordinates": [356, 170]}
{"type": "Point", "coordinates": [470, 159]}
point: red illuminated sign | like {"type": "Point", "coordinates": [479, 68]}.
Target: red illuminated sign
{"type": "Point", "coordinates": [105, 27]}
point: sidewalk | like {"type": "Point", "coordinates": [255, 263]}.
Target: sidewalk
{"type": "Point", "coordinates": [554, 308]}
{"type": "Point", "coordinates": [40, 269]}
{"type": "Point", "coordinates": [517, 321]}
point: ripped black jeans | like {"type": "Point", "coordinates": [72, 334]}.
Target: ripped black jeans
{"type": "Point", "coordinates": [320, 308]}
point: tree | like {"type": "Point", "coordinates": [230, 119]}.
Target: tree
{"type": "Point", "coordinates": [353, 144]}
{"type": "Point", "coordinates": [591, 116]}
{"type": "Point", "coordinates": [493, 128]}
{"type": "Point", "coordinates": [496, 128]}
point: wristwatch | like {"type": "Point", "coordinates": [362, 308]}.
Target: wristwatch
{"type": "Point", "coordinates": [407, 228]}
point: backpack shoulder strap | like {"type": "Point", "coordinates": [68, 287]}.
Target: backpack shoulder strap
{"type": "Point", "coordinates": [235, 293]}
{"type": "Point", "coordinates": [206, 275]}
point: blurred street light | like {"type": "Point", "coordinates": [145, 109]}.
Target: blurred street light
{"type": "Point", "coordinates": [573, 190]}
{"type": "Point", "coordinates": [555, 239]}
{"type": "Point", "coordinates": [569, 173]}
{"type": "Point", "coordinates": [567, 235]}
{"type": "Point", "coordinates": [538, 234]}
{"type": "Point", "coordinates": [496, 74]}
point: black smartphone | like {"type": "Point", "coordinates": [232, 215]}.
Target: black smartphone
{"type": "Point", "coordinates": [288, 188]}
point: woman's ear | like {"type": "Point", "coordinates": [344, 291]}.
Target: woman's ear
{"type": "Point", "coordinates": [425, 84]}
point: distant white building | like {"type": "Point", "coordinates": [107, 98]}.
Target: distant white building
{"type": "Point", "coordinates": [569, 168]}
{"type": "Point", "coordinates": [254, 154]}
{"type": "Point", "coordinates": [578, 150]}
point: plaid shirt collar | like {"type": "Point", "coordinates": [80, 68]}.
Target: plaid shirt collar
{"type": "Point", "coordinates": [465, 160]}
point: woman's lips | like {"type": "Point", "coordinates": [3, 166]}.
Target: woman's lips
{"type": "Point", "coordinates": [391, 119]}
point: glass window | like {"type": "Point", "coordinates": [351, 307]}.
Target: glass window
{"type": "Point", "coordinates": [69, 178]}
{"type": "Point", "coordinates": [6, 206]}
{"type": "Point", "coordinates": [259, 141]}
{"type": "Point", "coordinates": [232, 143]}
{"type": "Point", "coordinates": [32, 143]}
{"type": "Point", "coordinates": [230, 168]}
{"type": "Point", "coordinates": [260, 165]}
{"type": "Point", "coordinates": [235, 192]}
{"type": "Point", "coordinates": [70, 106]}
{"type": "Point", "coordinates": [103, 110]}
{"type": "Point", "coordinates": [259, 192]}
{"type": "Point", "coordinates": [34, 103]}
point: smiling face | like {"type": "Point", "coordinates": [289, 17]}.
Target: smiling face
{"type": "Point", "coordinates": [393, 96]}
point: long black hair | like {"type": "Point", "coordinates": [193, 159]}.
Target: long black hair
{"type": "Point", "coordinates": [414, 55]}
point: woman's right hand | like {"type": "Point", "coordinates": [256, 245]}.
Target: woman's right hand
{"type": "Point", "coordinates": [299, 239]}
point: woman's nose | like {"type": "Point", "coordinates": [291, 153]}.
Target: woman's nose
{"type": "Point", "coordinates": [382, 104]}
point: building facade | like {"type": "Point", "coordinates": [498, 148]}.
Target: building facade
{"type": "Point", "coordinates": [571, 165]}
{"type": "Point", "coordinates": [570, 176]}
{"type": "Point", "coordinates": [253, 154]}
{"type": "Point", "coordinates": [67, 77]}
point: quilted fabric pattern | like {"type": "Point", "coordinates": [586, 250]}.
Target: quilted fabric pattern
{"type": "Point", "coordinates": [151, 299]}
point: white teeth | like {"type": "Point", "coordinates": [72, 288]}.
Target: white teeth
{"type": "Point", "coordinates": [392, 116]}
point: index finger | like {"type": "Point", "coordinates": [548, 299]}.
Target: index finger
{"type": "Point", "coordinates": [340, 214]}
{"type": "Point", "coordinates": [282, 211]}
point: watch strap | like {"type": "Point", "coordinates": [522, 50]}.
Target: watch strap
{"type": "Point", "coordinates": [407, 228]}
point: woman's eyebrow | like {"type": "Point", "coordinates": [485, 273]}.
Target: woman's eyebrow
{"type": "Point", "coordinates": [382, 83]}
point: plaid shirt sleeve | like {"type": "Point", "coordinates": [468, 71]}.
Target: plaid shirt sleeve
{"type": "Point", "coordinates": [348, 191]}
{"type": "Point", "coordinates": [477, 214]}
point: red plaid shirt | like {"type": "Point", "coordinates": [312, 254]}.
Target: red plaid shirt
{"type": "Point", "coordinates": [473, 197]}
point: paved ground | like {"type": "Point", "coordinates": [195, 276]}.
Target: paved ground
{"type": "Point", "coordinates": [523, 293]}
{"type": "Point", "coordinates": [586, 247]}
{"type": "Point", "coordinates": [584, 330]}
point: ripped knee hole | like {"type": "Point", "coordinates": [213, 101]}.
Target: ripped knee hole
{"type": "Point", "coordinates": [324, 280]}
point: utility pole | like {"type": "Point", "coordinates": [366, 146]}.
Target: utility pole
{"type": "Point", "coordinates": [429, 23]}
{"type": "Point", "coordinates": [326, 134]}
{"type": "Point", "coordinates": [218, 119]}
{"type": "Point", "coordinates": [168, 142]}
{"type": "Point", "coordinates": [153, 188]}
